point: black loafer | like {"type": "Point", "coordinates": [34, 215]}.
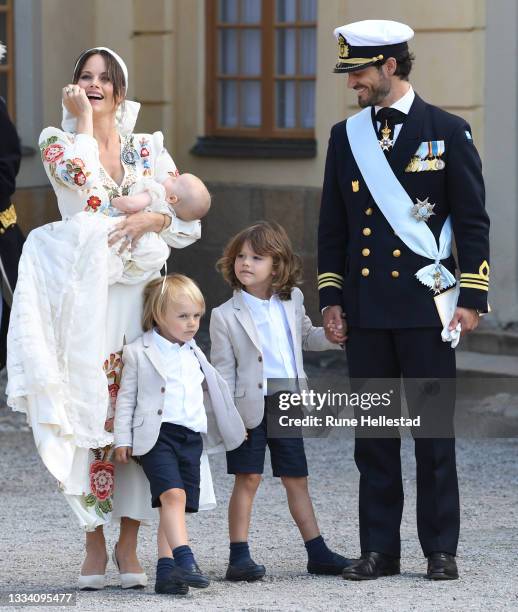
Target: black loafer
{"type": "Point", "coordinates": [333, 568]}
{"type": "Point", "coordinates": [372, 565]}
{"type": "Point", "coordinates": [191, 576]}
{"type": "Point", "coordinates": [248, 573]}
{"type": "Point", "coordinates": [442, 566]}
{"type": "Point", "coordinates": [171, 587]}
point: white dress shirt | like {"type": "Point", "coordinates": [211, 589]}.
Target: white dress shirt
{"type": "Point", "coordinates": [183, 402]}
{"type": "Point", "coordinates": [403, 104]}
{"type": "Point", "coordinates": [275, 336]}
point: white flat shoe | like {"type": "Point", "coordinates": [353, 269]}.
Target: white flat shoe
{"type": "Point", "coordinates": [129, 581]}
{"type": "Point", "coordinates": [91, 583]}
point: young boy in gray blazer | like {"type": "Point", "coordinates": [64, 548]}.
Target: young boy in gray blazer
{"type": "Point", "coordinates": [171, 404]}
{"type": "Point", "coordinates": [259, 334]}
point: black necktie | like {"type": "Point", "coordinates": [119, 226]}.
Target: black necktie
{"type": "Point", "coordinates": [388, 118]}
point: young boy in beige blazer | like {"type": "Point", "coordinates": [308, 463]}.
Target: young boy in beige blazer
{"type": "Point", "coordinates": [171, 404]}
{"type": "Point", "coordinates": [260, 334]}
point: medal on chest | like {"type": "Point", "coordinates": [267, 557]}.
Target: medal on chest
{"type": "Point", "coordinates": [386, 143]}
{"type": "Point", "coordinates": [422, 210]}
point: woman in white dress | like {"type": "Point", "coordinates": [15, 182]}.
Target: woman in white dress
{"type": "Point", "coordinates": [94, 158]}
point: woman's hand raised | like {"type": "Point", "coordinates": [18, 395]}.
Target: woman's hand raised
{"type": "Point", "coordinates": [75, 101]}
{"type": "Point", "coordinates": [132, 227]}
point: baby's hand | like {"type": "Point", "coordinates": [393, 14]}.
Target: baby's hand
{"type": "Point", "coordinates": [123, 454]}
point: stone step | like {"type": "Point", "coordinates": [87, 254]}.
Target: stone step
{"type": "Point", "coordinates": [494, 342]}
{"type": "Point", "coordinates": [485, 365]}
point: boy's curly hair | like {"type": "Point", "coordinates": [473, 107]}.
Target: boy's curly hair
{"type": "Point", "coordinates": [264, 238]}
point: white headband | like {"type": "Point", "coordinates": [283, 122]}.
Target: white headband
{"type": "Point", "coordinates": [117, 57]}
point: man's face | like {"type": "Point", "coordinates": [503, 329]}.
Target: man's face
{"type": "Point", "coordinates": [371, 84]}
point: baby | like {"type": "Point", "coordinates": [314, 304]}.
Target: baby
{"type": "Point", "coordinates": [185, 195]}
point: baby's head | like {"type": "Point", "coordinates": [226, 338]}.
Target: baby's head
{"type": "Point", "coordinates": [266, 239]}
{"type": "Point", "coordinates": [187, 195]}
{"type": "Point", "coordinates": [174, 304]}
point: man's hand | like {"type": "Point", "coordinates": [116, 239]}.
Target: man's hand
{"type": "Point", "coordinates": [335, 326]}
{"type": "Point", "coordinates": [468, 319]}
{"type": "Point", "coordinates": [123, 454]}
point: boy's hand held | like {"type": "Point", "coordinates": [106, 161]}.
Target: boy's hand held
{"type": "Point", "coordinates": [123, 454]}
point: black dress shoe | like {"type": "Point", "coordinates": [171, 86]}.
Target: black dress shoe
{"type": "Point", "coordinates": [333, 568]}
{"type": "Point", "coordinates": [442, 566]}
{"type": "Point", "coordinates": [191, 576]}
{"type": "Point", "coordinates": [249, 572]}
{"type": "Point", "coordinates": [171, 587]}
{"type": "Point", "coordinates": [372, 565]}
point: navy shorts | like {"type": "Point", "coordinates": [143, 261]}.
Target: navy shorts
{"type": "Point", "coordinates": [287, 454]}
{"type": "Point", "coordinates": [174, 463]}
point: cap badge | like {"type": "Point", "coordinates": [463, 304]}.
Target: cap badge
{"type": "Point", "coordinates": [343, 48]}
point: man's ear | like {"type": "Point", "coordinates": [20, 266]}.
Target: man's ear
{"type": "Point", "coordinates": [390, 66]}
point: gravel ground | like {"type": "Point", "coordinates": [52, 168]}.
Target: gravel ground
{"type": "Point", "coordinates": [41, 547]}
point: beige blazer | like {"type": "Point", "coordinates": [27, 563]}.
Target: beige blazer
{"type": "Point", "coordinates": [237, 355]}
{"type": "Point", "coordinates": [140, 401]}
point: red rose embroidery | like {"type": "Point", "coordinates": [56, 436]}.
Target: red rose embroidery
{"type": "Point", "coordinates": [144, 152]}
{"type": "Point", "coordinates": [77, 161]}
{"type": "Point", "coordinates": [101, 479]}
{"type": "Point", "coordinates": [53, 152]}
{"type": "Point", "coordinates": [79, 178]}
{"type": "Point", "coordinates": [113, 389]}
{"type": "Point", "coordinates": [94, 202]}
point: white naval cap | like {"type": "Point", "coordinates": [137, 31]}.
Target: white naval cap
{"type": "Point", "coordinates": [365, 43]}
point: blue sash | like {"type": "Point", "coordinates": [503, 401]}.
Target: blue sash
{"type": "Point", "coordinates": [395, 203]}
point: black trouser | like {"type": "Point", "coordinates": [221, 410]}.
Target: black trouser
{"type": "Point", "coordinates": [415, 353]}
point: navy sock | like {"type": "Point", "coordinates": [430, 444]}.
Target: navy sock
{"type": "Point", "coordinates": [183, 556]}
{"type": "Point", "coordinates": [163, 568]}
{"type": "Point", "coordinates": [317, 549]}
{"type": "Point", "coordinates": [239, 553]}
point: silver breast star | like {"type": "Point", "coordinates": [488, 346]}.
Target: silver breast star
{"type": "Point", "coordinates": [422, 210]}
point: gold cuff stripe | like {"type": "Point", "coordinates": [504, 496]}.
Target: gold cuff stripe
{"type": "Point", "coordinates": [475, 277]}
{"type": "Point", "coordinates": [329, 284]}
{"type": "Point", "coordinates": [329, 275]}
{"type": "Point", "coordinates": [473, 286]}
{"type": "Point", "coordinates": [8, 216]}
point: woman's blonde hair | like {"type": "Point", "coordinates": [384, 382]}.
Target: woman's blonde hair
{"type": "Point", "coordinates": [265, 238]}
{"type": "Point", "coordinates": [162, 291]}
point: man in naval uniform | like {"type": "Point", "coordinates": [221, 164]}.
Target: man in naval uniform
{"type": "Point", "coordinates": [401, 177]}
{"type": "Point", "coordinates": [11, 238]}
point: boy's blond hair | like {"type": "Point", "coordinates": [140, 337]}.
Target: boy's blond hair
{"type": "Point", "coordinates": [161, 291]}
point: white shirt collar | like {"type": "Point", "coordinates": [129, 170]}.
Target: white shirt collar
{"type": "Point", "coordinates": [255, 301]}
{"type": "Point", "coordinates": [164, 344]}
{"type": "Point", "coordinates": [403, 104]}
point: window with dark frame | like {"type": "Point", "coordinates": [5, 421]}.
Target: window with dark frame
{"type": "Point", "coordinates": [7, 64]}
{"type": "Point", "coordinates": [261, 65]}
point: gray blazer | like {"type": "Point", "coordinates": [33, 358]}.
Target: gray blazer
{"type": "Point", "coordinates": [237, 355]}
{"type": "Point", "coordinates": [140, 401]}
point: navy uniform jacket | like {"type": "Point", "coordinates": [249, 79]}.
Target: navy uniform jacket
{"type": "Point", "coordinates": [363, 265]}
{"type": "Point", "coordinates": [11, 238]}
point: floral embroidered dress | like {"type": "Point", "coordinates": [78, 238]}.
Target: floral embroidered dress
{"type": "Point", "coordinates": [69, 431]}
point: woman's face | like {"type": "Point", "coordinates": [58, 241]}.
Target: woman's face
{"type": "Point", "coordinates": [93, 78]}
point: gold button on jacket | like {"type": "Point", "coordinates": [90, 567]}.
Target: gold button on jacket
{"type": "Point", "coordinates": [395, 274]}
{"type": "Point", "coordinates": [368, 211]}
{"type": "Point", "coordinates": [396, 253]}
{"type": "Point", "coordinates": [367, 231]}
{"type": "Point", "coordinates": [366, 252]}
{"type": "Point", "coordinates": [365, 271]}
